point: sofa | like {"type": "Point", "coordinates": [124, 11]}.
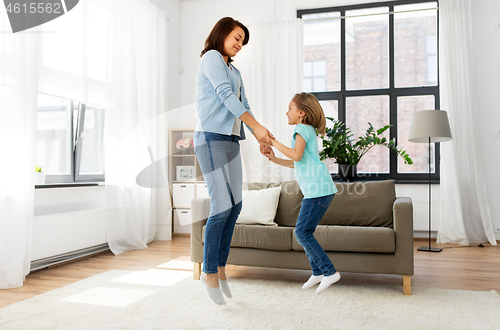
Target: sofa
{"type": "Point", "coordinates": [366, 229]}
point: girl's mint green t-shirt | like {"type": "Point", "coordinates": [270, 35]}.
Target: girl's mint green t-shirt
{"type": "Point", "coordinates": [312, 175]}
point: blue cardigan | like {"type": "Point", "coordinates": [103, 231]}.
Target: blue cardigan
{"type": "Point", "coordinates": [216, 88]}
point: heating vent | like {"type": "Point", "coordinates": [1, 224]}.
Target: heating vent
{"type": "Point", "coordinates": [421, 216]}
{"type": "Point", "coordinates": [64, 233]}
{"type": "Point", "coordinates": [54, 260]}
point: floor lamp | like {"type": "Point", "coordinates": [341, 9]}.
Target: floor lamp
{"type": "Point", "coordinates": [429, 126]}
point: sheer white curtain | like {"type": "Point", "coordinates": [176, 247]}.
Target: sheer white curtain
{"type": "Point", "coordinates": [112, 54]}
{"type": "Point", "coordinates": [272, 69]}
{"type": "Point", "coordinates": [74, 54]}
{"type": "Point", "coordinates": [19, 69]}
{"type": "Point", "coordinates": [134, 123]}
{"type": "Point", "coordinates": [464, 215]}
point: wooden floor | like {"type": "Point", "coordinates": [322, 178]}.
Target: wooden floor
{"type": "Point", "coordinates": [456, 267]}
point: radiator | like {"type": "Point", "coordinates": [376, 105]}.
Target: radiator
{"type": "Point", "coordinates": [421, 216]}
{"type": "Point", "coordinates": [63, 233]}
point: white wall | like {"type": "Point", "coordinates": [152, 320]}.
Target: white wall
{"type": "Point", "coordinates": [173, 10]}
{"type": "Point", "coordinates": [199, 16]}
{"type": "Point", "coordinates": [62, 200]}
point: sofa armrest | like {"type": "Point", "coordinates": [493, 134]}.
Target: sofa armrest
{"type": "Point", "coordinates": [403, 227]}
{"type": "Point", "coordinates": [200, 210]}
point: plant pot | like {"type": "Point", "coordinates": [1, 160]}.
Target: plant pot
{"type": "Point", "coordinates": [188, 151]}
{"type": "Point", "coordinates": [39, 178]}
{"type": "Point", "coordinates": [347, 172]}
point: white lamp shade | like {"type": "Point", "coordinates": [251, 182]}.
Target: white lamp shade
{"type": "Point", "coordinates": [431, 124]}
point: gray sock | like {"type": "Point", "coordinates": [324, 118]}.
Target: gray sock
{"type": "Point", "coordinates": [214, 293]}
{"type": "Point", "coordinates": [224, 287]}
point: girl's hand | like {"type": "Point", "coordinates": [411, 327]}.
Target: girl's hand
{"type": "Point", "coordinates": [270, 154]}
{"type": "Point", "coordinates": [264, 148]}
{"type": "Point", "coordinates": [267, 151]}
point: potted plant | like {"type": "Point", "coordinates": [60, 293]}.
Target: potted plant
{"type": "Point", "coordinates": [338, 144]}
{"type": "Point", "coordinates": [39, 175]}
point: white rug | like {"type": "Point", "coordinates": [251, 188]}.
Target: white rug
{"type": "Point", "coordinates": [168, 299]}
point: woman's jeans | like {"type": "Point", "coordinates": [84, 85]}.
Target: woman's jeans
{"type": "Point", "coordinates": [220, 162]}
{"type": "Point", "coordinates": [312, 211]}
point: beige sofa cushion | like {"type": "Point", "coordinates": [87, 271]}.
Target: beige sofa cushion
{"type": "Point", "coordinates": [367, 204]}
{"type": "Point", "coordinates": [261, 237]}
{"type": "Point", "coordinates": [289, 202]}
{"type": "Point", "coordinates": [352, 239]}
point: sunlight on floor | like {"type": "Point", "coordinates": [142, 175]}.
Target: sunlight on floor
{"type": "Point", "coordinates": [102, 296]}
{"type": "Point", "coordinates": [158, 277]}
{"type": "Point", "coordinates": [124, 296]}
{"type": "Point", "coordinates": [178, 263]}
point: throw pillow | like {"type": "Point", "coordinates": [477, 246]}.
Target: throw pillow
{"type": "Point", "coordinates": [259, 206]}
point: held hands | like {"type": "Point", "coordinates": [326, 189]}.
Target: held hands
{"type": "Point", "coordinates": [266, 140]}
{"type": "Point", "coordinates": [267, 151]}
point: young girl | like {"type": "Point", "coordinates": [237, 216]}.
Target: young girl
{"type": "Point", "coordinates": [314, 180]}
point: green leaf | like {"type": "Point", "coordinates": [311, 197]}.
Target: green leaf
{"type": "Point", "coordinates": [339, 144]}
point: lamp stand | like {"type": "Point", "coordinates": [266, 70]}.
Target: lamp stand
{"type": "Point", "coordinates": [429, 248]}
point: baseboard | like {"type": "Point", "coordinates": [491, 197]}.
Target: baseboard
{"type": "Point", "coordinates": [421, 239]}
{"type": "Point", "coordinates": [65, 257]}
{"type": "Point", "coordinates": [424, 234]}
{"type": "Point", "coordinates": [182, 234]}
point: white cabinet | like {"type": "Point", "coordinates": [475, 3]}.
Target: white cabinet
{"type": "Point", "coordinates": [182, 195]}
{"type": "Point", "coordinates": [185, 177]}
{"type": "Point", "coordinates": [201, 190]}
{"type": "Point", "coordinates": [182, 221]}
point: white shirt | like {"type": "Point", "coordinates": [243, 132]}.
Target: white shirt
{"type": "Point", "coordinates": [237, 121]}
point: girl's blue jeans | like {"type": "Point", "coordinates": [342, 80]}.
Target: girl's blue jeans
{"type": "Point", "coordinates": [312, 211]}
{"type": "Point", "coordinates": [220, 162]}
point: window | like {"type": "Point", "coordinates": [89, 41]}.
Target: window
{"type": "Point", "coordinates": [73, 67]}
{"type": "Point", "coordinates": [69, 144]}
{"type": "Point", "coordinates": [315, 76]}
{"type": "Point", "coordinates": [380, 66]}
{"type": "Point", "coordinates": [431, 60]}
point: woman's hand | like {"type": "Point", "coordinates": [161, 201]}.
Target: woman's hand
{"type": "Point", "coordinates": [260, 132]}
{"type": "Point", "coordinates": [263, 135]}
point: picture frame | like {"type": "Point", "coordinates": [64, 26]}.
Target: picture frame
{"type": "Point", "coordinates": [186, 173]}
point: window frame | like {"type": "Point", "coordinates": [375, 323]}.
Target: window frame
{"type": "Point", "coordinates": [392, 91]}
{"type": "Point", "coordinates": [74, 177]}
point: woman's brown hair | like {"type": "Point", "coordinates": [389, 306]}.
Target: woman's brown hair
{"type": "Point", "coordinates": [314, 112]}
{"type": "Point", "coordinates": [219, 33]}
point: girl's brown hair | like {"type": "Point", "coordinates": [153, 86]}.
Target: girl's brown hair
{"type": "Point", "coordinates": [219, 33]}
{"type": "Point", "coordinates": [314, 112]}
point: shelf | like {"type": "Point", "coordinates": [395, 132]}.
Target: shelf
{"type": "Point", "coordinates": [178, 158]}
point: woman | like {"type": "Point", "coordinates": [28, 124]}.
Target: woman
{"type": "Point", "coordinates": [221, 106]}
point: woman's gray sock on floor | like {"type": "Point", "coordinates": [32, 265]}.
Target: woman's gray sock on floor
{"type": "Point", "coordinates": [224, 287]}
{"type": "Point", "coordinates": [214, 293]}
